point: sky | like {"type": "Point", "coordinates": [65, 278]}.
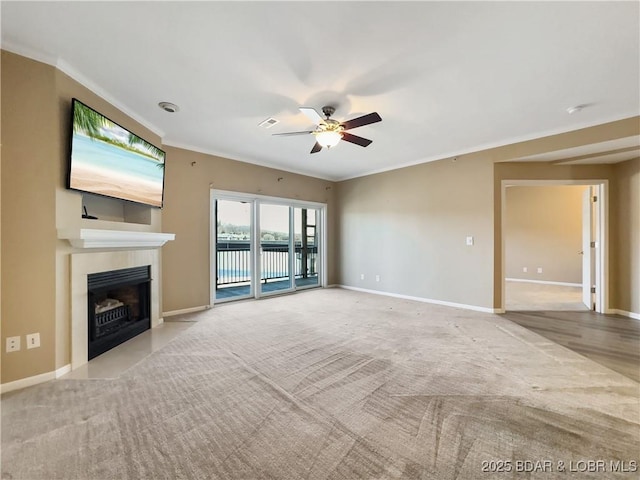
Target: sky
{"type": "Point", "coordinates": [272, 217]}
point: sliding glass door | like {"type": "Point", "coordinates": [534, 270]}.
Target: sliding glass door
{"type": "Point", "coordinates": [275, 248]}
{"type": "Point", "coordinates": [263, 245]}
{"type": "Point", "coordinates": [234, 253]}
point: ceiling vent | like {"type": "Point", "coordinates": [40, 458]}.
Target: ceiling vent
{"type": "Point", "coordinates": [269, 122]}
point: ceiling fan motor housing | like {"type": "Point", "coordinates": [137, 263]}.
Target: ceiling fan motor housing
{"type": "Point", "coordinates": [330, 125]}
{"type": "Point", "coordinates": [328, 110]}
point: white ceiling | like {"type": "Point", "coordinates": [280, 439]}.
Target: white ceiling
{"type": "Point", "coordinates": [612, 151]}
{"type": "Point", "coordinates": [446, 77]}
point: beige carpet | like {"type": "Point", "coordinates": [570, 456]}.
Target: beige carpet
{"type": "Point", "coordinates": [330, 384]}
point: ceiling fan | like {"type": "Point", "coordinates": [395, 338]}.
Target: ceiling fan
{"type": "Point", "coordinates": [329, 131]}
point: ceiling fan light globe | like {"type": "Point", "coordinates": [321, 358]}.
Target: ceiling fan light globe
{"type": "Point", "coordinates": [328, 139]}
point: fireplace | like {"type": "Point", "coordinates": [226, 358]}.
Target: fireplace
{"type": "Point", "coordinates": [86, 262]}
{"type": "Point", "coordinates": [119, 307]}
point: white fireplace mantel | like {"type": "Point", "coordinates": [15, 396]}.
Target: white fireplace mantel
{"type": "Point", "coordinates": [97, 238]}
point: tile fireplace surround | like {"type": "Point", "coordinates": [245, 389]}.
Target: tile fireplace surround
{"type": "Point", "coordinates": [124, 252]}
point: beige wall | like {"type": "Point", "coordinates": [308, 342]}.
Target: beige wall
{"type": "Point", "coordinates": [543, 229]}
{"type": "Point", "coordinates": [190, 177]}
{"type": "Point", "coordinates": [29, 173]}
{"type": "Point", "coordinates": [409, 226]}
{"type": "Point", "coordinates": [543, 171]}
{"type": "Point", "coordinates": [627, 245]}
{"type": "Point", "coordinates": [36, 102]}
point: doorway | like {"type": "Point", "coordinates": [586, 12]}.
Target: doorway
{"type": "Point", "coordinates": [554, 245]}
{"type": "Point", "coordinates": [263, 246]}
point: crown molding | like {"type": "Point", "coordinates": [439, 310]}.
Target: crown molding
{"type": "Point", "coordinates": [71, 71]}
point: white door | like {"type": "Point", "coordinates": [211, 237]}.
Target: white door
{"type": "Point", "coordinates": [588, 252]}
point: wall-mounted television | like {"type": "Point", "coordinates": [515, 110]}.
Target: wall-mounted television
{"type": "Point", "coordinates": [107, 159]}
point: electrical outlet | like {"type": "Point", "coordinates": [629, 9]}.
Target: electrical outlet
{"type": "Point", "coordinates": [377, 278]}
{"type": "Point", "coordinates": [469, 241]}
{"type": "Point", "coordinates": [525, 269]}
{"type": "Point", "coordinates": [33, 340]}
{"type": "Point", "coordinates": [539, 269]}
{"type": "Point", "coordinates": [13, 344]}
{"type": "Point", "coordinates": [362, 276]}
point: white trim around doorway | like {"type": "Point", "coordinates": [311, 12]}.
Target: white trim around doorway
{"type": "Point", "coordinates": [602, 233]}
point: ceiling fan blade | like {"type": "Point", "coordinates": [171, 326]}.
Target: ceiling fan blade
{"type": "Point", "coordinates": [312, 115]}
{"type": "Point", "coordinates": [316, 148]}
{"type": "Point", "coordinates": [361, 121]}
{"type": "Point", "coordinates": [363, 142]}
{"type": "Point", "coordinates": [288, 134]}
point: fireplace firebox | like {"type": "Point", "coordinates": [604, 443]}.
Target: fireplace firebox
{"type": "Point", "coordinates": [119, 307]}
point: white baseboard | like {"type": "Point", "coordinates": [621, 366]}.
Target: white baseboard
{"type": "Point", "coordinates": [63, 370]}
{"type": "Point", "coordinates": [544, 282]}
{"type": "Point", "coordinates": [185, 310]}
{"type": "Point", "coordinates": [426, 300]}
{"type": "Point", "coordinates": [624, 313]}
{"type": "Point", "coordinates": [35, 380]}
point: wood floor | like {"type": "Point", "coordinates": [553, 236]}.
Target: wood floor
{"type": "Point", "coordinates": [557, 313]}
{"type": "Point", "coordinates": [611, 340]}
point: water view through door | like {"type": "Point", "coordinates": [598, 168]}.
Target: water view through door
{"type": "Point", "coordinates": [264, 248]}
{"type": "Point", "coordinates": [234, 257]}
{"type": "Point", "coordinates": [275, 248]}
{"type": "Point", "coordinates": [288, 261]}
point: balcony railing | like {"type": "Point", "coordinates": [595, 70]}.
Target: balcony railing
{"type": "Point", "coordinates": [234, 261]}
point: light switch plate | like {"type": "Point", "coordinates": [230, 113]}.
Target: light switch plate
{"type": "Point", "coordinates": [33, 340]}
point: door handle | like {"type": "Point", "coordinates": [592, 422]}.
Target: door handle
{"type": "Point", "coordinates": [581, 252]}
